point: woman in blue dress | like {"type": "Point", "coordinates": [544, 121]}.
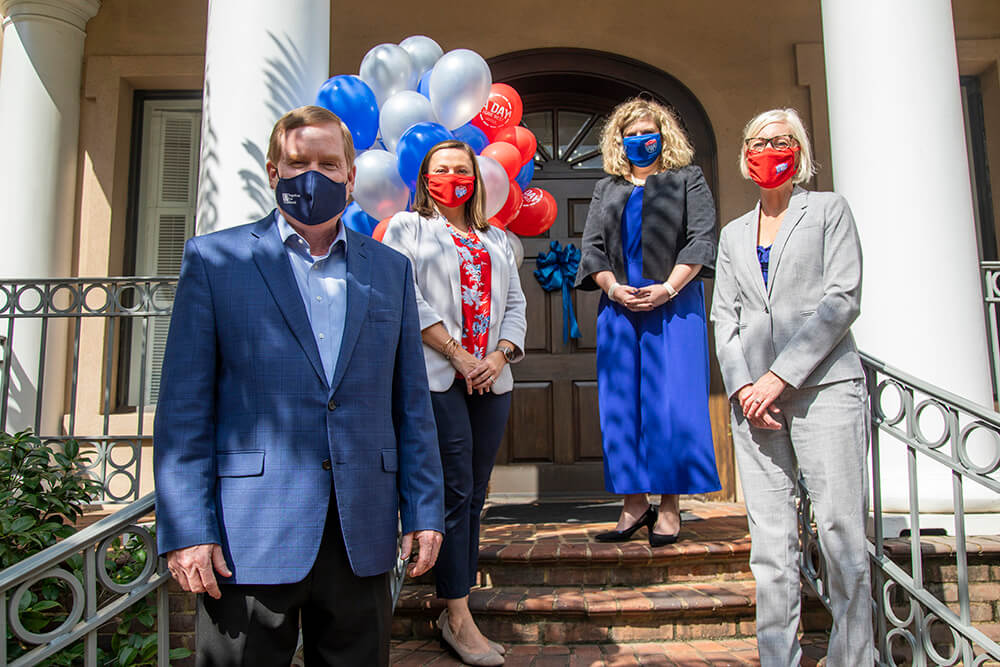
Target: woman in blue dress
{"type": "Point", "coordinates": [650, 237]}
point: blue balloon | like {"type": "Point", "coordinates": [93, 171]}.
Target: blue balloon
{"type": "Point", "coordinates": [356, 219]}
{"type": "Point", "coordinates": [424, 87]}
{"type": "Point", "coordinates": [354, 102]}
{"type": "Point", "coordinates": [413, 146]}
{"type": "Point", "coordinates": [473, 136]}
{"type": "Point", "coordinates": [527, 172]}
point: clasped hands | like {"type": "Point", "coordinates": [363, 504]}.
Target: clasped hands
{"type": "Point", "coordinates": [639, 299]}
{"type": "Point", "coordinates": [479, 374]}
{"type": "Point", "coordinates": [195, 567]}
{"type": "Point", "coordinates": [757, 401]}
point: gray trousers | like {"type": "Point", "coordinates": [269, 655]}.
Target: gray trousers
{"type": "Point", "coordinates": [823, 436]}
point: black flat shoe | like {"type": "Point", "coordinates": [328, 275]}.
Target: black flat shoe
{"type": "Point", "coordinates": [647, 519]}
{"type": "Point", "coordinates": [661, 540]}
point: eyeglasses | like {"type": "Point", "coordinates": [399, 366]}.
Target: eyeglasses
{"type": "Point", "coordinates": [779, 143]}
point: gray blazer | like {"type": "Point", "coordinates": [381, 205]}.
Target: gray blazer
{"type": "Point", "coordinates": [799, 325]}
{"type": "Point", "coordinates": [678, 226]}
{"type": "Point", "coordinates": [431, 250]}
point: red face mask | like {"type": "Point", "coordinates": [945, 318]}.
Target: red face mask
{"type": "Point", "coordinates": [770, 167]}
{"type": "Point", "coordinates": [451, 190]}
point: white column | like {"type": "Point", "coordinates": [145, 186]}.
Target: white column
{"type": "Point", "coordinates": [40, 120]}
{"type": "Point", "coordinates": [261, 59]}
{"type": "Point", "coordinates": [899, 156]}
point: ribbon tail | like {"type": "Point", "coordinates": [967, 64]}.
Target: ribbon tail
{"type": "Point", "coordinates": [570, 327]}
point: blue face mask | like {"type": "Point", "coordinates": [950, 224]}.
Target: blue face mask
{"type": "Point", "coordinates": [643, 150]}
{"type": "Point", "coordinates": [311, 198]}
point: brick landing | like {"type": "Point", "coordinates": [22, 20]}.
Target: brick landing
{"type": "Point", "coordinates": [416, 653]}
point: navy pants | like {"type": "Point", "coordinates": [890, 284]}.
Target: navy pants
{"type": "Point", "coordinates": [469, 428]}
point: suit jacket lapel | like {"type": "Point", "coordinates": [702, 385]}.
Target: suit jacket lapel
{"type": "Point", "coordinates": [358, 289]}
{"type": "Point", "coordinates": [796, 210]}
{"type": "Point", "coordinates": [748, 253]}
{"type": "Point", "coordinates": [272, 261]}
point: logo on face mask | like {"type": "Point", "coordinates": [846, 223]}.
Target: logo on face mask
{"type": "Point", "coordinates": [290, 198]}
{"type": "Point", "coordinates": [461, 190]}
{"type": "Point", "coordinates": [781, 167]}
{"type": "Point", "coordinates": [652, 146]}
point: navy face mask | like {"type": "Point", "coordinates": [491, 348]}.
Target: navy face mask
{"type": "Point", "coordinates": [643, 150]}
{"type": "Point", "coordinates": [311, 198]}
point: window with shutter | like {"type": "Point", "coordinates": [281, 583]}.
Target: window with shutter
{"type": "Point", "coordinates": [165, 219]}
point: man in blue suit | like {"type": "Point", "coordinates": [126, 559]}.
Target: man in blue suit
{"type": "Point", "coordinates": [294, 423]}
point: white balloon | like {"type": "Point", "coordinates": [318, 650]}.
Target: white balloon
{"type": "Point", "coordinates": [401, 112]}
{"type": "Point", "coordinates": [496, 182]}
{"type": "Point", "coordinates": [423, 50]}
{"type": "Point", "coordinates": [459, 87]}
{"type": "Point", "coordinates": [378, 189]}
{"type": "Point", "coordinates": [517, 246]}
{"type": "Point", "coordinates": [388, 69]}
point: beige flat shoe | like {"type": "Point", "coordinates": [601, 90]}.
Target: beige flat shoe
{"type": "Point", "coordinates": [490, 658]}
{"type": "Point", "coordinates": [499, 648]}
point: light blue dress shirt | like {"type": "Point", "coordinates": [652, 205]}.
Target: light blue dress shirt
{"type": "Point", "coordinates": [322, 283]}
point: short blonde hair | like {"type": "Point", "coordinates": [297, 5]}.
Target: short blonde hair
{"type": "Point", "coordinates": [307, 116]}
{"type": "Point", "coordinates": [804, 165]}
{"type": "Point", "coordinates": [475, 206]}
{"type": "Point", "coordinates": [677, 150]}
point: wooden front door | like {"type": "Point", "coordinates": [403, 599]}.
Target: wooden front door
{"type": "Point", "coordinates": [552, 444]}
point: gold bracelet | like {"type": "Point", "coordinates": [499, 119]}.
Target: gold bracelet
{"type": "Point", "coordinates": [449, 349]}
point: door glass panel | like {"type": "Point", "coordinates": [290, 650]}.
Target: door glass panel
{"type": "Point", "coordinates": [589, 143]}
{"type": "Point", "coordinates": [594, 162]}
{"type": "Point", "coordinates": [570, 124]}
{"type": "Point", "coordinates": [540, 123]}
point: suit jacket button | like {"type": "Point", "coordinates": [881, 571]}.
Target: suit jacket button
{"type": "Point", "coordinates": [326, 464]}
{"type": "Point", "coordinates": [331, 405]}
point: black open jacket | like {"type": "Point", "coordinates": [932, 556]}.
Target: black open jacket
{"type": "Point", "coordinates": [678, 227]}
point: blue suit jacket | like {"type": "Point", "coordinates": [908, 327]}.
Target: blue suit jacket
{"type": "Point", "coordinates": [245, 417]}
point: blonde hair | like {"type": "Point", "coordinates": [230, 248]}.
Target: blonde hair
{"type": "Point", "coordinates": [677, 150]}
{"type": "Point", "coordinates": [475, 206]}
{"type": "Point", "coordinates": [307, 116]}
{"type": "Point", "coordinates": [804, 165]}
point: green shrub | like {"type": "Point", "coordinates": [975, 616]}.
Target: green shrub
{"type": "Point", "coordinates": [42, 494]}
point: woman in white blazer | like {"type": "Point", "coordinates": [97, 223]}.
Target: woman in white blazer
{"type": "Point", "coordinates": [787, 289]}
{"type": "Point", "coordinates": [472, 317]}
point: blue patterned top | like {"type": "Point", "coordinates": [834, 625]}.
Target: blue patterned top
{"type": "Point", "coordinates": [764, 257]}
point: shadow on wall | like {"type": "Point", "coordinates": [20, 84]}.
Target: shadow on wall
{"type": "Point", "coordinates": [288, 86]}
{"type": "Point", "coordinates": [20, 395]}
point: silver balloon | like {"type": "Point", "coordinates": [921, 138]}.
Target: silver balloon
{"type": "Point", "coordinates": [517, 246]}
{"type": "Point", "coordinates": [378, 189]}
{"type": "Point", "coordinates": [496, 182]}
{"type": "Point", "coordinates": [388, 69]}
{"type": "Point", "coordinates": [459, 87]}
{"type": "Point", "coordinates": [423, 50]}
{"type": "Point", "coordinates": [401, 112]}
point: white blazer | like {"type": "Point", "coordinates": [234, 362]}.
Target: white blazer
{"type": "Point", "coordinates": [431, 250]}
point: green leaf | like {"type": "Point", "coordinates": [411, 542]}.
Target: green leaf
{"type": "Point", "coordinates": [22, 524]}
{"type": "Point", "coordinates": [180, 653]}
{"type": "Point", "coordinates": [72, 449]}
{"type": "Point", "coordinates": [146, 618]}
{"type": "Point", "coordinates": [44, 605]}
{"type": "Point", "coordinates": [126, 655]}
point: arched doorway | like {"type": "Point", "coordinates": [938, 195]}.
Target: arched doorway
{"type": "Point", "coordinates": [552, 445]}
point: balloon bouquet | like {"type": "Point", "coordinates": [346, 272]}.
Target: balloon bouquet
{"type": "Point", "coordinates": [406, 98]}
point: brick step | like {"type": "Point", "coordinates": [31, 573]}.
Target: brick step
{"type": "Point", "coordinates": [591, 614]}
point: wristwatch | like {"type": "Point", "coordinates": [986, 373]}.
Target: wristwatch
{"type": "Point", "coordinates": [508, 353]}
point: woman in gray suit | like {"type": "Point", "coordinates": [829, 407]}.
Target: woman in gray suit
{"type": "Point", "coordinates": [472, 320]}
{"type": "Point", "coordinates": [788, 287]}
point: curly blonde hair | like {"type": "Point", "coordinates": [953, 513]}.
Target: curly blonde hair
{"type": "Point", "coordinates": [677, 150]}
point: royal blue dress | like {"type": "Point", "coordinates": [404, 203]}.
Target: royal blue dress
{"type": "Point", "coordinates": [652, 385]}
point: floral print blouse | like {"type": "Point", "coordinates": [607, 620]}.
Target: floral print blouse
{"type": "Point", "coordinates": [474, 274]}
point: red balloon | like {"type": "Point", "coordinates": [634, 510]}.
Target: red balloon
{"type": "Point", "coordinates": [489, 132]}
{"type": "Point", "coordinates": [538, 212]}
{"type": "Point", "coordinates": [522, 138]}
{"type": "Point", "coordinates": [512, 206]}
{"type": "Point", "coordinates": [502, 109]}
{"type": "Point", "coordinates": [379, 232]}
{"type": "Point", "coordinates": [496, 223]}
{"type": "Point", "coordinates": [507, 155]}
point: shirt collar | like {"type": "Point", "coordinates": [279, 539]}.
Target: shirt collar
{"type": "Point", "coordinates": [290, 238]}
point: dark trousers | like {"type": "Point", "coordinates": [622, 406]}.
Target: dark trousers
{"type": "Point", "coordinates": [469, 432]}
{"type": "Point", "coordinates": [345, 618]}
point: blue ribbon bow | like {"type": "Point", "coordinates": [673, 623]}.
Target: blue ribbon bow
{"type": "Point", "coordinates": [557, 270]}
